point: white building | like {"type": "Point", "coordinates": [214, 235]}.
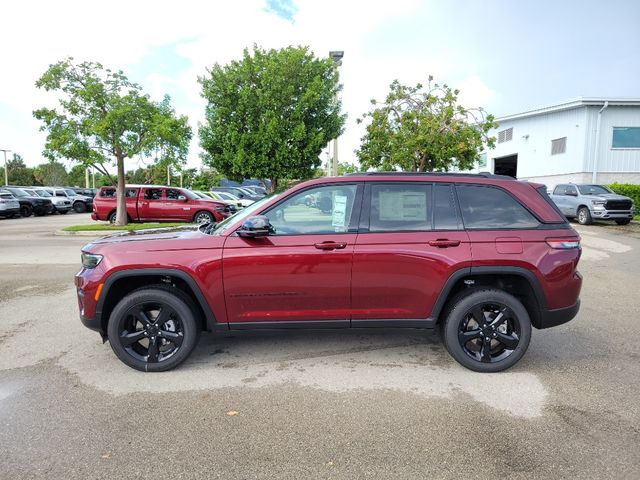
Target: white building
{"type": "Point", "coordinates": [587, 140]}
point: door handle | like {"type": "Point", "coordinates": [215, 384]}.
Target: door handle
{"type": "Point", "coordinates": [444, 243]}
{"type": "Point", "coordinates": [330, 245]}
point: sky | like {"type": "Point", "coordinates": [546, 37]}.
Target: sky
{"type": "Point", "coordinates": [505, 56]}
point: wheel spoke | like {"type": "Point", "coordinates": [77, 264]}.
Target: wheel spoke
{"type": "Point", "coordinates": [163, 316]}
{"type": "Point", "coordinates": [485, 353]}
{"type": "Point", "coordinates": [502, 315]}
{"type": "Point", "coordinates": [173, 337]}
{"type": "Point", "coordinates": [478, 315]}
{"type": "Point", "coordinates": [152, 353]}
{"type": "Point", "coordinates": [509, 341]}
{"type": "Point", "coordinates": [142, 316]}
{"type": "Point", "coordinates": [128, 339]}
{"type": "Point", "coordinates": [465, 337]}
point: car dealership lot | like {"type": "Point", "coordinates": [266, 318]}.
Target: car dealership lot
{"type": "Point", "coordinates": [377, 404]}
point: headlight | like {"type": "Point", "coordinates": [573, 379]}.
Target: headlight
{"type": "Point", "coordinates": [90, 260]}
{"type": "Point", "coordinates": [598, 202]}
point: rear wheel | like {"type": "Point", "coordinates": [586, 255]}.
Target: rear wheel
{"type": "Point", "coordinates": [153, 329]}
{"type": "Point", "coordinates": [112, 217]}
{"type": "Point", "coordinates": [26, 211]}
{"type": "Point", "coordinates": [486, 330]}
{"type": "Point", "coordinates": [203, 217]}
{"type": "Point", "coordinates": [79, 207]}
{"type": "Point", "coordinates": [623, 221]}
{"type": "Point", "coordinates": [584, 216]}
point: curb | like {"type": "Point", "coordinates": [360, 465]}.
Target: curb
{"type": "Point", "coordinates": [87, 233]}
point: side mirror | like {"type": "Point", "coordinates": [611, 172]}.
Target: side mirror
{"type": "Point", "coordinates": [182, 198]}
{"type": "Point", "coordinates": [254, 227]}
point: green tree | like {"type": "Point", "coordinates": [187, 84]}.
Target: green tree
{"type": "Point", "coordinates": [51, 173]}
{"type": "Point", "coordinates": [345, 167]}
{"type": "Point", "coordinates": [423, 129]}
{"type": "Point", "coordinates": [270, 114]}
{"type": "Point", "coordinates": [104, 118]}
{"type": "Point", "coordinates": [18, 172]}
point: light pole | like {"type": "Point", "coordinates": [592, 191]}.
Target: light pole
{"type": "Point", "coordinates": [6, 171]}
{"type": "Point", "coordinates": [336, 56]}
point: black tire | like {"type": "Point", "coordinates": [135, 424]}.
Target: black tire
{"type": "Point", "coordinates": [26, 211]}
{"type": "Point", "coordinates": [79, 207]}
{"type": "Point", "coordinates": [584, 216]}
{"type": "Point", "coordinates": [178, 323]}
{"type": "Point", "coordinates": [203, 217]}
{"type": "Point", "coordinates": [478, 345]}
{"type": "Point", "coordinates": [623, 221]}
{"type": "Point", "coordinates": [112, 217]}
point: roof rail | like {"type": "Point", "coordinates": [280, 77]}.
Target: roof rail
{"type": "Point", "coordinates": [435, 174]}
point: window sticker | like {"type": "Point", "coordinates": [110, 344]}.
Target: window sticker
{"type": "Point", "coordinates": [339, 217]}
{"type": "Point", "coordinates": [403, 206]}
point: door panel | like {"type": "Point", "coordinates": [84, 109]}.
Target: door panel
{"type": "Point", "coordinates": [286, 278]}
{"type": "Point", "coordinates": [150, 206]}
{"type": "Point", "coordinates": [400, 275]}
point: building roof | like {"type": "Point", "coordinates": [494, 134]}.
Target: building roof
{"type": "Point", "coordinates": [573, 103]}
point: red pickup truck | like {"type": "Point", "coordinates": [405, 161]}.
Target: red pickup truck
{"type": "Point", "coordinates": [157, 203]}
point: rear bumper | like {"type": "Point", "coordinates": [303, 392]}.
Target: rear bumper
{"type": "Point", "coordinates": [553, 318]}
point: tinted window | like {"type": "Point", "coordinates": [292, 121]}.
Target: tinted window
{"type": "Point", "coordinates": [131, 193]}
{"type": "Point", "coordinates": [400, 207]}
{"type": "Point", "coordinates": [108, 192]}
{"type": "Point", "coordinates": [317, 210]}
{"type": "Point", "coordinates": [489, 207]}
{"type": "Point", "coordinates": [444, 206]}
{"type": "Point", "coordinates": [153, 194]}
{"type": "Point", "coordinates": [570, 190]}
{"type": "Point", "coordinates": [173, 194]}
{"type": "Point", "coordinates": [559, 190]}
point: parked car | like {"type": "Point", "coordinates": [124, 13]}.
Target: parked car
{"type": "Point", "coordinates": [79, 203]}
{"type": "Point", "coordinates": [157, 203]}
{"type": "Point", "coordinates": [87, 192]}
{"type": "Point", "coordinates": [233, 207]}
{"type": "Point", "coordinates": [9, 205]}
{"type": "Point", "coordinates": [230, 197]}
{"type": "Point", "coordinates": [592, 202]}
{"type": "Point", "coordinates": [31, 203]}
{"type": "Point", "coordinates": [255, 189]}
{"type": "Point", "coordinates": [238, 192]}
{"type": "Point", "coordinates": [61, 204]}
{"type": "Point", "coordinates": [482, 257]}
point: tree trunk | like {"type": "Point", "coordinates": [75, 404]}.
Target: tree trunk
{"type": "Point", "coordinates": [121, 209]}
{"type": "Point", "coordinates": [274, 184]}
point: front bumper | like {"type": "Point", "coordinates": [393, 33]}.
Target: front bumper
{"type": "Point", "coordinates": [612, 214]}
{"type": "Point", "coordinates": [8, 212]}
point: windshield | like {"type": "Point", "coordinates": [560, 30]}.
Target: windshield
{"type": "Point", "coordinates": [242, 214]}
{"type": "Point", "coordinates": [593, 189]}
{"type": "Point", "coordinates": [18, 192]}
{"type": "Point", "coordinates": [227, 196]}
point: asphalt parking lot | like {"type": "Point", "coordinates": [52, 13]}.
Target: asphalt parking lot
{"type": "Point", "coordinates": [359, 404]}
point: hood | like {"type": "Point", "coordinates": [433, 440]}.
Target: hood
{"type": "Point", "coordinates": [157, 239]}
{"type": "Point", "coordinates": [607, 196]}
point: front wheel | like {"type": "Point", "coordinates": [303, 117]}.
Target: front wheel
{"type": "Point", "coordinates": [153, 329]}
{"type": "Point", "coordinates": [79, 207]}
{"type": "Point", "coordinates": [203, 217]}
{"type": "Point", "coordinates": [26, 211]}
{"type": "Point", "coordinates": [584, 216]}
{"type": "Point", "coordinates": [486, 330]}
{"type": "Point", "coordinates": [623, 221]}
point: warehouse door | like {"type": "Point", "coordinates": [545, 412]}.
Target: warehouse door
{"type": "Point", "coordinates": [506, 166]}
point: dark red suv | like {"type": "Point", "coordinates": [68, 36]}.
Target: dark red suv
{"type": "Point", "coordinates": [482, 257]}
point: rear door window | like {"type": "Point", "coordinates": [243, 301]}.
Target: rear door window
{"type": "Point", "coordinates": [401, 207]}
{"type": "Point", "coordinates": [445, 215]}
{"type": "Point", "coordinates": [487, 208]}
{"type": "Point", "coordinates": [153, 194]}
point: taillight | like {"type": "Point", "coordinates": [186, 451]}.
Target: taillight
{"type": "Point", "coordinates": [566, 243]}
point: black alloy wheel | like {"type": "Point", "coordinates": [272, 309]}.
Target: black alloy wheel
{"type": "Point", "coordinates": [487, 330]}
{"type": "Point", "coordinates": [153, 329]}
{"type": "Point", "coordinates": [25, 211]}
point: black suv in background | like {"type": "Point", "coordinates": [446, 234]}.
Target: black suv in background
{"type": "Point", "coordinates": [30, 204]}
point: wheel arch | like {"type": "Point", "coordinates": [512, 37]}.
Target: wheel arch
{"type": "Point", "coordinates": [120, 283]}
{"type": "Point", "coordinates": [518, 281]}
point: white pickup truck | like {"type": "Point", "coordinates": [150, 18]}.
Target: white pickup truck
{"type": "Point", "coordinates": [592, 202]}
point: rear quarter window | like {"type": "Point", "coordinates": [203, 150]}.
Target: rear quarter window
{"type": "Point", "coordinates": [486, 208]}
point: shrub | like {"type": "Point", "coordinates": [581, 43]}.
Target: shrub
{"type": "Point", "coordinates": [629, 190]}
